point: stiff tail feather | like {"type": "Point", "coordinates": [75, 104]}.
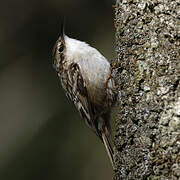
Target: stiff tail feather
{"type": "Point", "coordinates": [108, 148]}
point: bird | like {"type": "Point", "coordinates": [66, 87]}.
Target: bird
{"type": "Point", "coordinates": [86, 77]}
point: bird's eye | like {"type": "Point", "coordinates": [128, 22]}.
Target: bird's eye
{"type": "Point", "coordinates": [61, 48]}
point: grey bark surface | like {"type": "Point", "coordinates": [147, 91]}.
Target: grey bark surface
{"type": "Point", "coordinates": [147, 135]}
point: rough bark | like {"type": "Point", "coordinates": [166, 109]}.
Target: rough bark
{"type": "Point", "coordinates": [147, 136]}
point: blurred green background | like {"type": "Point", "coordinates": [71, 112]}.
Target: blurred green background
{"type": "Point", "coordinates": [41, 134]}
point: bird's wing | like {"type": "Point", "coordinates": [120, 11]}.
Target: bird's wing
{"type": "Point", "coordinates": [76, 91]}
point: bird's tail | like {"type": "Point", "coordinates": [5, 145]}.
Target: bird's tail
{"type": "Point", "coordinates": [108, 147]}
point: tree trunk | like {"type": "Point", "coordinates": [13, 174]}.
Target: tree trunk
{"type": "Point", "coordinates": [147, 135]}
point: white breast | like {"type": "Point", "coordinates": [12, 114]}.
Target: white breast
{"type": "Point", "coordinates": [94, 67]}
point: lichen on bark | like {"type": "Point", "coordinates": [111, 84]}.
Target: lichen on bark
{"type": "Point", "coordinates": [147, 136]}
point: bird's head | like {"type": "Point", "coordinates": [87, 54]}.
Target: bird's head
{"type": "Point", "coordinates": [59, 50]}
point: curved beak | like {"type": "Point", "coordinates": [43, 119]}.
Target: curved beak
{"type": "Point", "coordinates": [62, 29]}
